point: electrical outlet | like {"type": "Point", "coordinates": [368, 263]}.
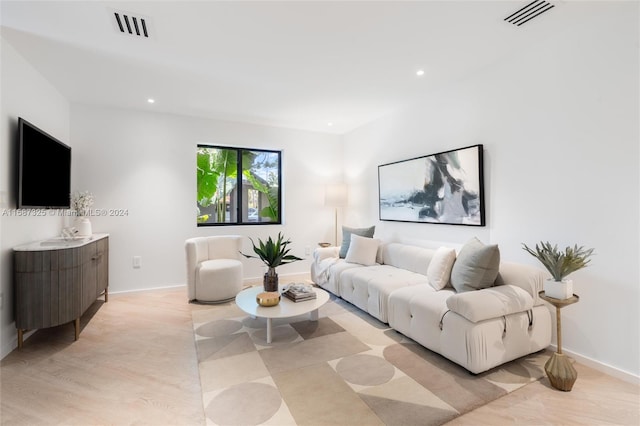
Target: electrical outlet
{"type": "Point", "coordinates": [137, 262]}
{"type": "Point", "coordinates": [307, 250]}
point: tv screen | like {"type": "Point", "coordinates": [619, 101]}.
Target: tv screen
{"type": "Point", "coordinates": [44, 169]}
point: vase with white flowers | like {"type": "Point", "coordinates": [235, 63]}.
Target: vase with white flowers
{"type": "Point", "coordinates": [81, 202]}
{"type": "Point", "coordinates": [560, 264]}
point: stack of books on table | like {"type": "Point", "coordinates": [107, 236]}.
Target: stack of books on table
{"type": "Point", "coordinates": [299, 292]}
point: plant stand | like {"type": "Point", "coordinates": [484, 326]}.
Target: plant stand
{"type": "Point", "coordinates": [559, 367]}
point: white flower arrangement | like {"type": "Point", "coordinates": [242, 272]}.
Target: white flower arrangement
{"type": "Point", "coordinates": [81, 202]}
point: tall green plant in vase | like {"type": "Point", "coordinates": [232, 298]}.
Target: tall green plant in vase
{"type": "Point", "coordinates": [560, 264]}
{"type": "Point", "coordinates": [273, 253]}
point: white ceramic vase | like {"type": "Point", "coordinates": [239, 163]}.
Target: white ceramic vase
{"type": "Point", "coordinates": [558, 289]}
{"type": "Point", "coordinates": [83, 225]}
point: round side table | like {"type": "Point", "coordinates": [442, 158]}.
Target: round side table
{"type": "Point", "coordinates": [559, 367]}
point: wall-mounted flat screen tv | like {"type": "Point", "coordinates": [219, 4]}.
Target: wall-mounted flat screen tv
{"type": "Point", "coordinates": [44, 169]}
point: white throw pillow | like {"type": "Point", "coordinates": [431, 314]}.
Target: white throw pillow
{"type": "Point", "coordinates": [439, 270]}
{"type": "Point", "coordinates": [362, 250]}
{"type": "Point", "coordinates": [346, 237]}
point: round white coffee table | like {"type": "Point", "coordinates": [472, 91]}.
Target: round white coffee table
{"type": "Point", "coordinates": [246, 300]}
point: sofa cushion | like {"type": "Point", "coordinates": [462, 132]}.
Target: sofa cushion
{"type": "Point", "coordinates": [439, 271]}
{"type": "Point", "coordinates": [346, 237]}
{"type": "Point", "coordinates": [328, 272]}
{"type": "Point", "coordinates": [403, 256]}
{"type": "Point", "coordinates": [476, 266]}
{"type": "Point", "coordinates": [369, 287]}
{"type": "Point", "coordinates": [490, 303]}
{"type": "Point", "coordinates": [417, 311]}
{"type": "Point", "coordinates": [362, 250]}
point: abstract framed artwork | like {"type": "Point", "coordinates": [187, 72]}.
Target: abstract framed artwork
{"type": "Point", "coordinates": [446, 188]}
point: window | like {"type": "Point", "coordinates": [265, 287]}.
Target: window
{"type": "Point", "coordinates": [238, 186]}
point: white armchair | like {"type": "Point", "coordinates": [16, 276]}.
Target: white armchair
{"type": "Point", "coordinates": [214, 271]}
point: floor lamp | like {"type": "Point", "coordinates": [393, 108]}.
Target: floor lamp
{"type": "Point", "coordinates": [335, 195]}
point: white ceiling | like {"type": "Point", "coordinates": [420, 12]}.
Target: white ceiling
{"type": "Point", "coordinates": [289, 64]}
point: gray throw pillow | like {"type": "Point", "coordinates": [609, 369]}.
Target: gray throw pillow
{"type": "Point", "coordinates": [346, 237]}
{"type": "Point", "coordinates": [475, 267]}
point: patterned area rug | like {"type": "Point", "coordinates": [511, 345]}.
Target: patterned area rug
{"type": "Point", "coordinates": [345, 369]}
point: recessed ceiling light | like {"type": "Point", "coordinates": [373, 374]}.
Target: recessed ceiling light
{"type": "Point", "coordinates": [329, 124]}
{"type": "Point", "coordinates": [420, 73]}
{"type": "Point", "coordinates": [151, 100]}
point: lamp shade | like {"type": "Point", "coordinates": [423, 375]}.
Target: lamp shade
{"type": "Point", "coordinates": [335, 195]}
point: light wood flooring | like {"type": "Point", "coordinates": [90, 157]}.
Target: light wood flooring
{"type": "Point", "coordinates": [135, 363]}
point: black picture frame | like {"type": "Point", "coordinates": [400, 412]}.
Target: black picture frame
{"type": "Point", "coordinates": [442, 188]}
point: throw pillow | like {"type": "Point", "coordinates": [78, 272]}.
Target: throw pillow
{"type": "Point", "coordinates": [476, 266]}
{"type": "Point", "coordinates": [439, 270]}
{"type": "Point", "coordinates": [362, 250]}
{"type": "Point", "coordinates": [346, 237]}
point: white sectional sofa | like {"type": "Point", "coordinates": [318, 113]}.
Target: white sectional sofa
{"type": "Point", "coordinates": [409, 287]}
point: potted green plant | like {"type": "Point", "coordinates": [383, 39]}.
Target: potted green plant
{"type": "Point", "coordinates": [273, 253]}
{"type": "Point", "coordinates": [560, 264]}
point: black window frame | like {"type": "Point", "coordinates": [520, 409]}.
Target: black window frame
{"type": "Point", "coordinates": [239, 185]}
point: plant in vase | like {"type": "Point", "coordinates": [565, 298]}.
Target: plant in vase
{"type": "Point", "coordinates": [81, 202]}
{"type": "Point", "coordinates": [560, 264]}
{"type": "Point", "coordinates": [273, 253]}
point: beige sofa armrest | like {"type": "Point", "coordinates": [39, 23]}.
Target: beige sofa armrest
{"type": "Point", "coordinates": [528, 278]}
{"type": "Point", "coordinates": [488, 303]}
{"type": "Point", "coordinates": [322, 253]}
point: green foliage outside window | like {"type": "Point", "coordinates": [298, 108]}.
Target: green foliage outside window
{"type": "Point", "coordinates": [223, 198]}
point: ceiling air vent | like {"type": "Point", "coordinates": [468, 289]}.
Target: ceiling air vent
{"type": "Point", "coordinates": [527, 13]}
{"type": "Point", "coordinates": [133, 25]}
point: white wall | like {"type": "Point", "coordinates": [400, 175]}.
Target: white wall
{"type": "Point", "coordinates": [25, 93]}
{"type": "Point", "coordinates": [559, 123]}
{"type": "Point", "coordinates": [145, 163]}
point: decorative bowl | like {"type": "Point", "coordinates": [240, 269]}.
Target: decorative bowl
{"type": "Point", "coordinates": [324, 244]}
{"type": "Point", "coordinates": [268, 298]}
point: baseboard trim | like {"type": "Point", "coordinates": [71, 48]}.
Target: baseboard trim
{"type": "Point", "coordinates": [602, 367]}
{"type": "Point", "coordinates": [142, 290]}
